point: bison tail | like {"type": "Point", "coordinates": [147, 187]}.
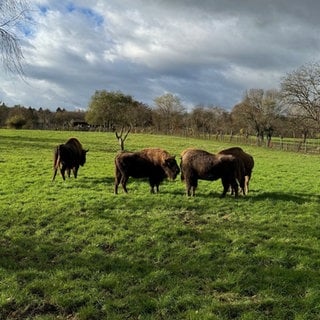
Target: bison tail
{"type": "Point", "coordinates": [56, 161]}
{"type": "Point", "coordinates": [181, 171]}
{"type": "Point", "coordinates": [240, 173]}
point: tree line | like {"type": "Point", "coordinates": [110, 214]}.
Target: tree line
{"type": "Point", "coordinates": [291, 111]}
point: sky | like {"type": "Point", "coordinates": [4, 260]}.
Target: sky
{"type": "Point", "coordinates": [205, 52]}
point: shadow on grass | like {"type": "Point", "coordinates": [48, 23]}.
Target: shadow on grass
{"type": "Point", "coordinates": [299, 198]}
{"type": "Point", "coordinates": [93, 181]}
{"type": "Point", "coordinates": [141, 187]}
{"type": "Point", "coordinates": [84, 181]}
{"type": "Point", "coordinates": [22, 141]}
{"type": "Point", "coordinates": [258, 195]}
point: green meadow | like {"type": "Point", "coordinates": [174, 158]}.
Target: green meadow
{"type": "Point", "coordinates": [74, 250]}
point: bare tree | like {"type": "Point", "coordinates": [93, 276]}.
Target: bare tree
{"type": "Point", "coordinates": [301, 92]}
{"type": "Point", "coordinates": [12, 12]}
{"type": "Point", "coordinates": [210, 119]}
{"type": "Point", "coordinates": [122, 136]}
{"type": "Point", "coordinates": [168, 112]}
{"type": "Point", "coordinates": [259, 110]}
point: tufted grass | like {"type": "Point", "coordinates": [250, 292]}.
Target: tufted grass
{"type": "Point", "coordinates": [74, 250]}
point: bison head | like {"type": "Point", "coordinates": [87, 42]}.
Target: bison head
{"type": "Point", "coordinates": [82, 159]}
{"type": "Point", "coordinates": [171, 167]}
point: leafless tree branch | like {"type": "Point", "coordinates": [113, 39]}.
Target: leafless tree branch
{"type": "Point", "coordinates": [12, 12]}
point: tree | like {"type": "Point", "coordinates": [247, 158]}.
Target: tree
{"type": "Point", "coordinates": [200, 120]}
{"type": "Point", "coordinates": [208, 120]}
{"type": "Point", "coordinates": [138, 115]}
{"type": "Point", "coordinates": [122, 136]}
{"type": "Point", "coordinates": [45, 118]}
{"type": "Point", "coordinates": [16, 122]}
{"type": "Point", "coordinates": [168, 112]}
{"type": "Point", "coordinates": [4, 111]}
{"type": "Point", "coordinates": [12, 12]}
{"type": "Point", "coordinates": [107, 108]}
{"type": "Point", "coordinates": [115, 109]}
{"type": "Point", "coordinates": [259, 112]}
{"type": "Point", "coordinates": [21, 117]}
{"type": "Point", "coordinates": [300, 90]}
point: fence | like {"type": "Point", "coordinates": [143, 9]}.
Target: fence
{"type": "Point", "coordinates": [311, 146]}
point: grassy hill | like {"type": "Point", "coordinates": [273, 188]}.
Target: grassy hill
{"type": "Point", "coordinates": [74, 250]}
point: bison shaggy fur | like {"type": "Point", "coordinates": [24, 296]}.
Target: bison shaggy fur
{"type": "Point", "coordinates": [248, 163]}
{"type": "Point", "coordinates": [153, 163]}
{"type": "Point", "coordinates": [199, 164]}
{"type": "Point", "coordinates": [68, 156]}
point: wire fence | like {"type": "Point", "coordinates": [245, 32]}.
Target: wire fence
{"type": "Point", "coordinates": [308, 146]}
{"type": "Point", "coordinates": [311, 146]}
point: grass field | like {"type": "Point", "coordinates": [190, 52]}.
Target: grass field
{"type": "Point", "coordinates": [74, 250]}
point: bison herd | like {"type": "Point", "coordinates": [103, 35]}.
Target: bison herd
{"type": "Point", "coordinates": [233, 166]}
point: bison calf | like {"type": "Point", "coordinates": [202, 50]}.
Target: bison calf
{"type": "Point", "coordinates": [201, 165]}
{"type": "Point", "coordinates": [68, 156]}
{"type": "Point", "coordinates": [152, 163]}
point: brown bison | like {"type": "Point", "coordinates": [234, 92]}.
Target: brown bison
{"type": "Point", "coordinates": [152, 163]}
{"type": "Point", "coordinates": [248, 164]}
{"type": "Point", "coordinates": [199, 164]}
{"type": "Point", "coordinates": [69, 156]}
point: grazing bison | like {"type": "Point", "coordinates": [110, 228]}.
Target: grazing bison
{"type": "Point", "coordinates": [248, 164]}
{"type": "Point", "coordinates": [69, 156]}
{"type": "Point", "coordinates": [199, 164]}
{"type": "Point", "coordinates": [152, 163]}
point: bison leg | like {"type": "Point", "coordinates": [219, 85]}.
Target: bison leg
{"type": "Point", "coordinates": [123, 181]}
{"type": "Point", "coordinates": [227, 182]}
{"type": "Point", "coordinates": [193, 191]}
{"type": "Point", "coordinates": [56, 162]}
{"type": "Point", "coordinates": [154, 183]}
{"type": "Point", "coordinates": [54, 173]}
{"type": "Point", "coordinates": [152, 189]}
{"type": "Point", "coordinates": [120, 177]}
{"type": "Point", "coordinates": [62, 171]}
{"type": "Point", "coordinates": [224, 192]}
{"type": "Point", "coordinates": [226, 185]}
{"type": "Point", "coordinates": [117, 179]}
{"type": "Point", "coordinates": [246, 185]}
{"type": "Point", "coordinates": [191, 187]}
{"type": "Point", "coordinates": [235, 189]}
{"type": "Point", "coordinates": [188, 189]}
{"type": "Point", "coordinates": [116, 184]}
{"type": "Point", "coordinates": [75, 171]}
{"type": "Point", "coordinates": [243, 185]}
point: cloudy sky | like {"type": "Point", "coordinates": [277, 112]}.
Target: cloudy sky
{"type": "Point", "coordinates": [204, 51]}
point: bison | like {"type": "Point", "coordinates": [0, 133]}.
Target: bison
{"type": "Point", "coordinates": [153, 163]}
{"type": "Point", "coordinates": [199, 164]}
{"type": "Point", "coordinates": [248, 163]}
{"type": "Point", "coordinates": [68, 156]}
